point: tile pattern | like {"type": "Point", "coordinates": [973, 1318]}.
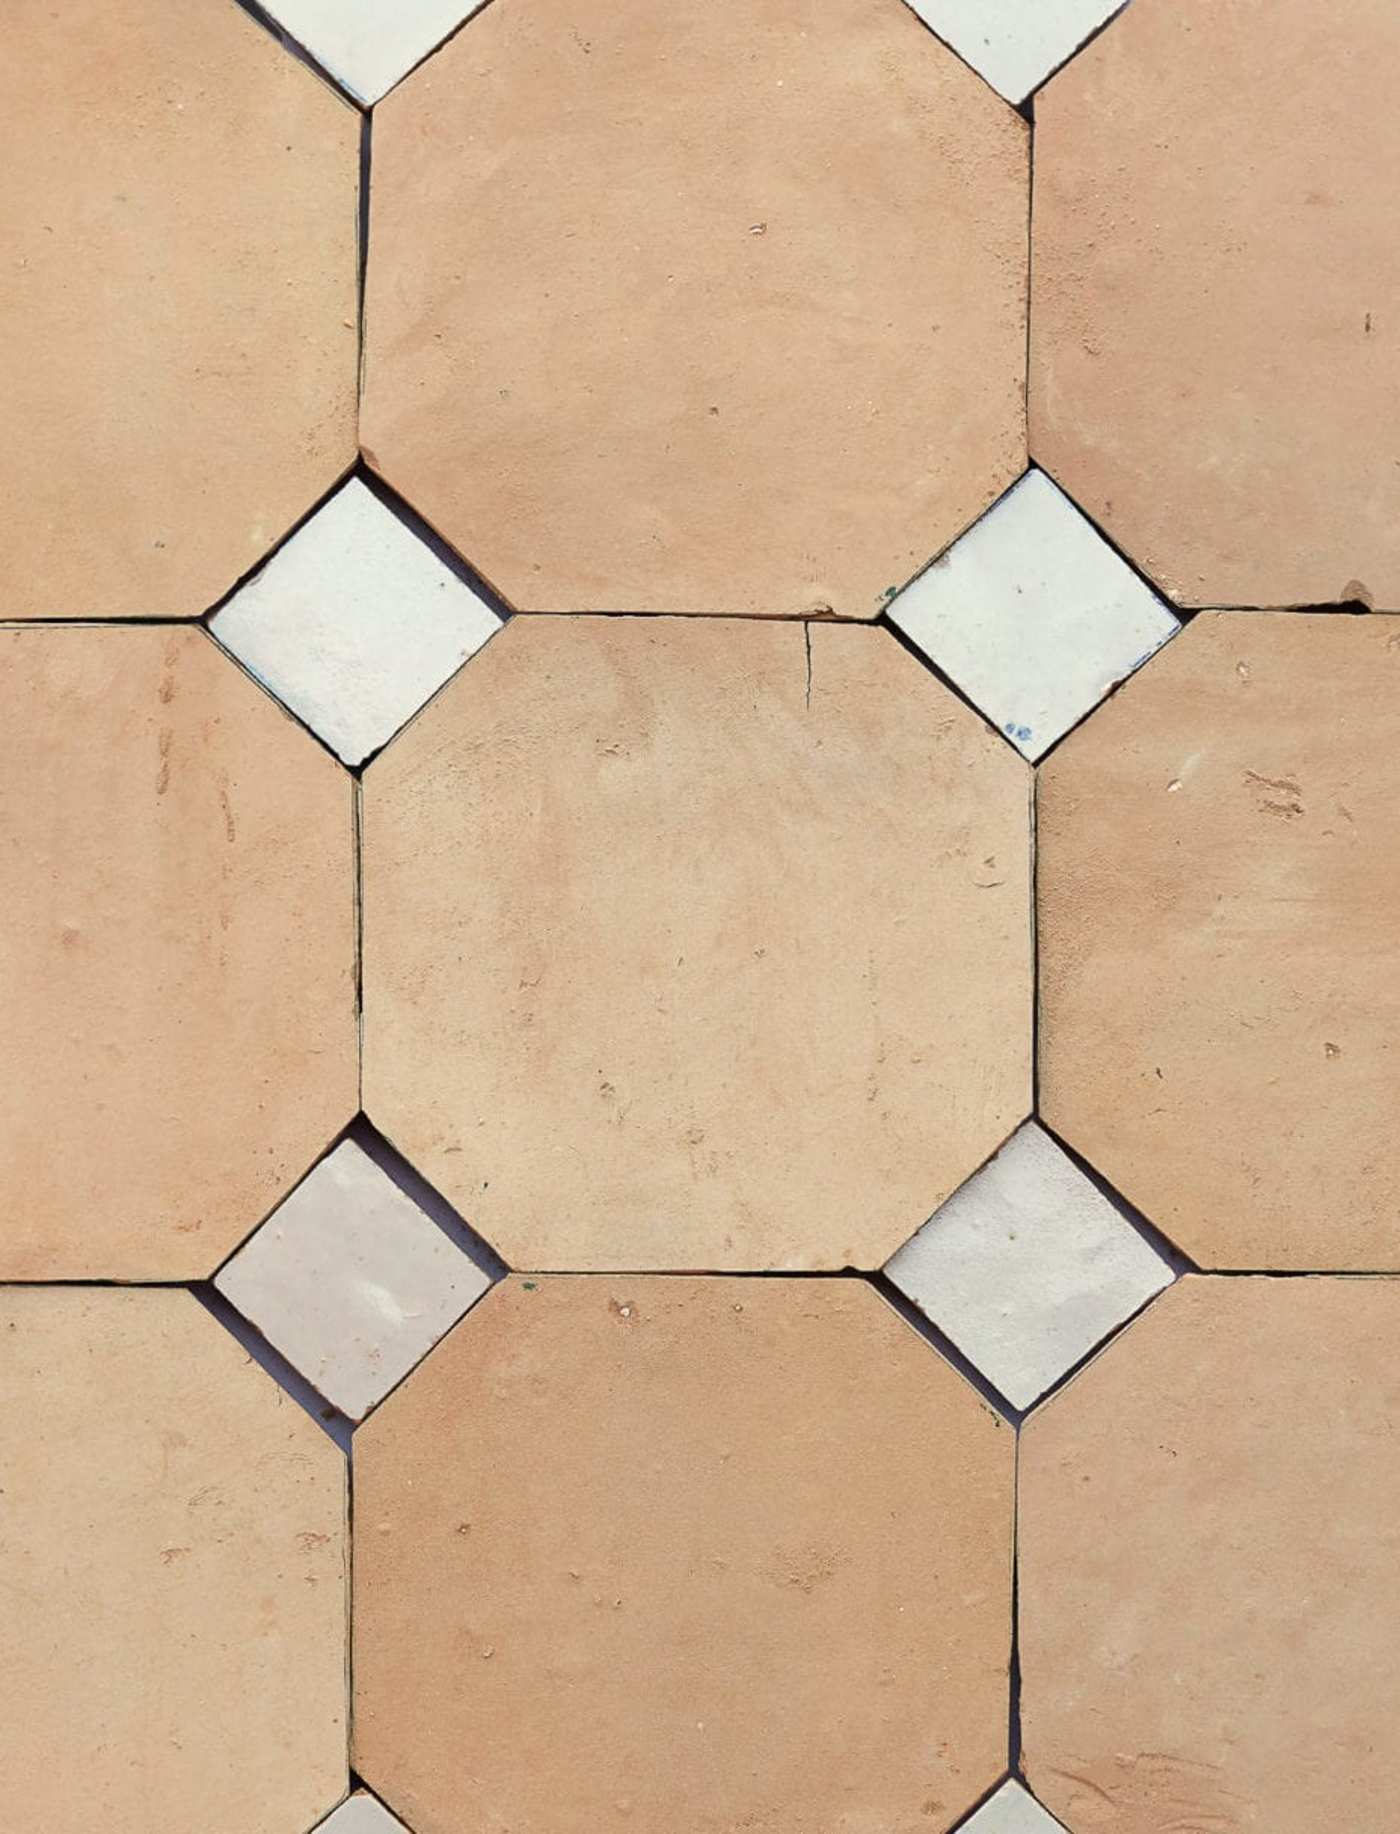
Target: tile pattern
{"type": "Point", "coordinates": [1028, 1267]}
{"type": "Point", "coordinates": [350, 1281]}
{"type": "Point", "coordinates": [697, 944]}
{"type": "Point", "coordinates": [1216, 959]}
{"type": "Point", "coordinates": [354, 623]}
{"type": "Point", "coordinates": [172, 1576]}
{"type": "Point", "coordinates": [177, 985]}
{"type": "Point", "coordinates": [773, 353]}
{"type": "Point", "coordinates": [178, 317]}
{"type": "Point", "coordinates": [368, 45]}
{"type": "Point", "coordinates": [683, 1564]}
{"type": "Point", "coordinates": [1207, 1545]}
{"type": "Point", "coordinates": [610, 1049]}
{"type": "Point", "coordinates": [1214, 369]}
{"type": "Point", "coordinates": [1015, 45]}
{"type": "Point", "coordinates": [1033, 615]}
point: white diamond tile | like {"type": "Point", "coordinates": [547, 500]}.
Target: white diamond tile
{"type": "Point", "coordinates": [1015, 44]}
{"type": "Point", "coordinates": [350, 1281]}
{"type": "Point", "coordinates": [367, 45]}
{"type": "Point", "coordinates": [361, 1814]}
{"type": "Point", "coordinates": [1033, 615]}
{"type": "Point", "coordinates": [1027, 1267]}
{"type": "Point", "coordinates": [1012, 1810]}
{"type": "Point", "coordinates": [354, 623]}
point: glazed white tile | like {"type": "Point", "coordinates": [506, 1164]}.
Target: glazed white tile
{"type": "Point", "coordinates": [1033, 615]}
{"type": "Point", "coordinates": [1015, 44]}
{"type": "Point", "coordinates": [354, 623]}
{"type": "Point", "coordinates": [350, 1281]}
{"type": "Point", "coordinates": [1012, 1810]}
{"type": "Point", "coordinates": [1027, 1267]}
{"type": "Point", "coordinates": [361, 1814]}
{"type": "Point", "coordinates": [367, 45]}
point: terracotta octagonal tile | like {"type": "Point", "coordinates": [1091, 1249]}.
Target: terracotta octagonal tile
{"type": "Point", "coordinates": [172, 1576]}
{"type": "Point", "coordinates": [178, 306]}
{"type": "Point", "coordinates": [1219, 994]}
{"type": "Point", "coordinates": [177, 964]}
{"type": "Point", "coordinates": [715, 309]}
{"type": "Point", "coordinates": [1215, 361]}
{"type": "Point", "coordinates": [1207, 1550]}
{"type": "Point", "coordinates": [682, 1553]}
{"type": "Point", "coordinates": [695, 945]}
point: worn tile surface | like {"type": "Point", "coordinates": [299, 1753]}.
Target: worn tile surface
{"type": "Point", "coordinates": [683, 1564]}
{"type": "Point", "coordinates": [172, 1576]}
{"type": "Point", "coordinates": [775, 263]}
{"type": "Point", "coordinates": [368, 45]}
{"type": "Point", "coordinates": [350, 1281]}
{"type": "Point", "coordinates": [178, 310]}
{"type": "Point", "coordinates": [692, 945]}
{"type": "Point", "coordinates": [1028, 1267]}
{"type": "Point", "coordinates": [1207, 1545]}
{"type": "Point", "coordinates": [1013, 43]}
{"type": "Point", "coordinates": [1033, 615]}
{"type": "Point", "coordinates": [354, 623]}
{"type": "Point", "coordinates": [177, 1015]}
{"type": "Point", "coordinates": [1215, 372]}
{"type": "Point", "coordinates": [1217, 989]}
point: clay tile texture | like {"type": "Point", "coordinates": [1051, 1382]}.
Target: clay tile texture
{"type": "Point", "coordinates": [690, 945]}
{"type": "Point", "coordinates": [1215, 360]}
{"type": "Point", "coordinates": [178, 307]}
{"type": "Point", "coordinates": [1218, 1000]}
{"type": "Point", "coordinates": [682, 1564]}
{"type": "Point", "coordinates": [697, 309]}
{"type": "Point", "coordinates": [177, 995]}
{"type": "Point", "coordinates": [1206, 1548]}
{"type": "Point", "coordinates": [173, 1558]}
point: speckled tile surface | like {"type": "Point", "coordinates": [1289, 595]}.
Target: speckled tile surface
{"type": "Point", "coordinates": [698, 853]}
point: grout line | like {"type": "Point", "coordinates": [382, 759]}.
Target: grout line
{"type": "Point", "coordinates": [325, 1153]}
{"type": "Point", "coordinates": [331, 1421]}
{"type": "Point", "coordinates": [1082, 45]}
{"type": "Point", "coordinates": [401, 1172]}
{"type": "Point", "coordinates": [295, 48]}
{"type": "Point", "coordinates": [1014, 1741]}
{"type": "Point", "coordinates": [446, 39]}
{"type": "Point", "coordinates": [362, 273]}
{"type": "Point", "coordinates": [358, 894]}
{"type": "Point", "coordinates": [946, 1348]}
{"type": "Point", "coordinates": [965, 1821]}
{"type": "Point", "coordinates": [1157, 1239]}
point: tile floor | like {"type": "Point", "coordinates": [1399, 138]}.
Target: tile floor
{"type": "Point", "coordinates": [768, 1200]}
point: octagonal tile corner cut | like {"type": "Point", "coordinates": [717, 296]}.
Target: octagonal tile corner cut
{"type": "Point", "coordinates": [1206, 1547]}
{"type": "Point", "coordinates": [173, 1541]}
{"type": "Point", "coordinates": [1218, 989]}
{"type": "Point", "coordinates": [696, 945]}
{"type": "Point", "coordinates": [745, 327]}
{"type": "Point", "coordinates": [178, 1004]}
{"type": "Point", "coordinates": [1215, 359]}
{"type": "Point", "coordinates": [643, 1595]}
{"type": "Point", "coordinates": [180, 316]}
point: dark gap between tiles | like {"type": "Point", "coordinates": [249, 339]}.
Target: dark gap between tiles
{"type": "Point", "coordinates": [366, 156]}
{"type": "Point", "coordinates": [886, 623]}
{"type": "Point", "coordinates": [330, 1420]}
{"type": "Point", "coordinates": [1156, 1239]}
{"type": "Point", "coordinates": [1013, 1730]}
{"type": "Point", "coordinates": [401, 1172]}
{"type": "Point", "coordinates": [294, 48]}
{"type": "Point", "coordinates": [953, 51]}
{"type": "Point", "coordinates": [945, 1347]}
{"type": "Point", "coordinates": [338, 482]}
{"type": "Point", "coordinates": [460, 26]}
{"type": "Point", "coordinates": [359, 896]}
{"type": "Point", "coordinates": [965, 1821]}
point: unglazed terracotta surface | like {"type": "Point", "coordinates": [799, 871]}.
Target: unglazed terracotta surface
{"type": "Point", "coordinates": [1207, 1544]}
{"type": "Point", "coordinates": [1215, 366]}
{"type": "Point", "coordinates": [682, 1564]}
{"type": "Point", "coordinates": [696, 946]}
{"type": "Point", "coordinates": [178, 316]}
{"type": "Point", "coordinates": [1218, 996]}
{"type": "Point", "coordinates": [172, 1576]}
{"type": "Point", "coordinates": [715, 308]}
{"type": "Point", "coordinates": [177, 994]}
